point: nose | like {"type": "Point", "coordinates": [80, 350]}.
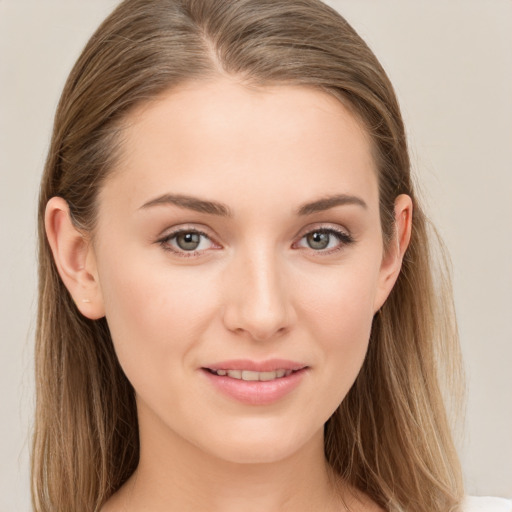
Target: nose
{"type": "Point", "coordinates": [257, 296]}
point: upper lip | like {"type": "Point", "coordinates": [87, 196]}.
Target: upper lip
{"type": "Point", "coordinates": [270, 365]}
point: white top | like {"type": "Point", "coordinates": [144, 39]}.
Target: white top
{"type": "Point", "coordinates": [486, 504]}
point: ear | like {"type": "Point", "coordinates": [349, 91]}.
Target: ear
{"type": "Point", "coordinates": [394, 254]}
{"type": "Point", "coordinates": [74, 258]}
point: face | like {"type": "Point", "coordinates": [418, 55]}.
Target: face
{"type": "Point", "coordinates": [240, 261]}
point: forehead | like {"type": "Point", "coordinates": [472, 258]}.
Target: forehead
{"type": "Point", "coordinates": [225, 138]}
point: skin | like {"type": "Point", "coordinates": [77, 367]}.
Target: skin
{"type": "Point", "coordinates": [255, 289]}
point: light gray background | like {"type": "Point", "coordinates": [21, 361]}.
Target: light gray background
{"type": "Point", "coordinates": [451, 63]}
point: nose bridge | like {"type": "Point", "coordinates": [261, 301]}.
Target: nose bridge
{"type": "Point", "coordinates": [258, 302]}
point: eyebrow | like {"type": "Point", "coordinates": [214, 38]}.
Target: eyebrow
{"type": "Point", "coordinates": [190, 203]}
{"type": "Point", "coordinates": [222, 210]}
{"type": "Point", "coordinates": [330, 202]}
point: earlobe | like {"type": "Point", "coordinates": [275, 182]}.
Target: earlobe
{"type": "Point", "coordinates": [393, 257]}
{"type": "Point", "coordinates": [74, 258]}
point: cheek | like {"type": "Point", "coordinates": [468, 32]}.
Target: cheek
{"type": "Point", "coordinates": [154, 314]}
{"type": "Point", "coordinates": [339, 301]}
{"type": "Point", "coordinates": [338, 316]}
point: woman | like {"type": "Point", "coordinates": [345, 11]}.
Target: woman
{"type": "Point", "coordinates": [237, 302]}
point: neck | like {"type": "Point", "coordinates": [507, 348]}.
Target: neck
{"type": "Point", "coordinates": [174, 475]}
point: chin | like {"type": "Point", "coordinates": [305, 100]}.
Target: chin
{"type": "Point", "coordinates": [262, 444]}
{"type": "Point", "coordinates": [255, 454]}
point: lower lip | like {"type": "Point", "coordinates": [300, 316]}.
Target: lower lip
{"type": "Point", "coordinates": [256, 392]}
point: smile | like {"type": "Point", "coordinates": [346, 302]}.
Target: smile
{"type": "Point", "coordinates": [249, 375]}
{"type": "Point", "coordinates": [255, 383]}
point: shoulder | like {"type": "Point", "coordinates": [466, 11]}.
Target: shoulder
{"type": "Point", "coordinates": [486, 504]}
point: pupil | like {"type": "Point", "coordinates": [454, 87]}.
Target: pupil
{"type": "Point", "coordinates": [318, 240]}
{"type": "Point", "coordinates": [188, 241]}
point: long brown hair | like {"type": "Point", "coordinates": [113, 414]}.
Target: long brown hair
{"type": "Point", "coordinates": [390, 437]}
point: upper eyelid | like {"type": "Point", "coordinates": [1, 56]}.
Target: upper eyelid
{"type": "Point", "coordinates": [342, 235]}
{"type": "Point", "coordinates": [336, 228]}
{"type": "Point", "coordinates": [170, 232]}
{"type": "Point", "coordinates": [173, 234]}
{"type": "Point", "coordinates": [204, 230]}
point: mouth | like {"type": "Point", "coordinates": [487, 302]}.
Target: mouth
{"type": "Point", "coordinates": [250, 375]}
{"type": "Point", "coordinates": [256, 383]}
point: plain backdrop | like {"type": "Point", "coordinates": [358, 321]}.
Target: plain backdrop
{"type": "Point", "coordinates": [451, 64]}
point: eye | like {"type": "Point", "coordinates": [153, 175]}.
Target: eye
{"type": "Point", "coordinates": [325, 240]}
{"type": "Point", "coordinates": [187, 242]}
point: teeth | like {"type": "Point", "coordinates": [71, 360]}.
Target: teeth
{"type": "Point", "coordinates": [249, 375]}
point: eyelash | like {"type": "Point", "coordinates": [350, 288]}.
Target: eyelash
{"type": "Point", "coordinates": [343, 238]}
{"type": "Point", "coordinates": [164, 242]}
